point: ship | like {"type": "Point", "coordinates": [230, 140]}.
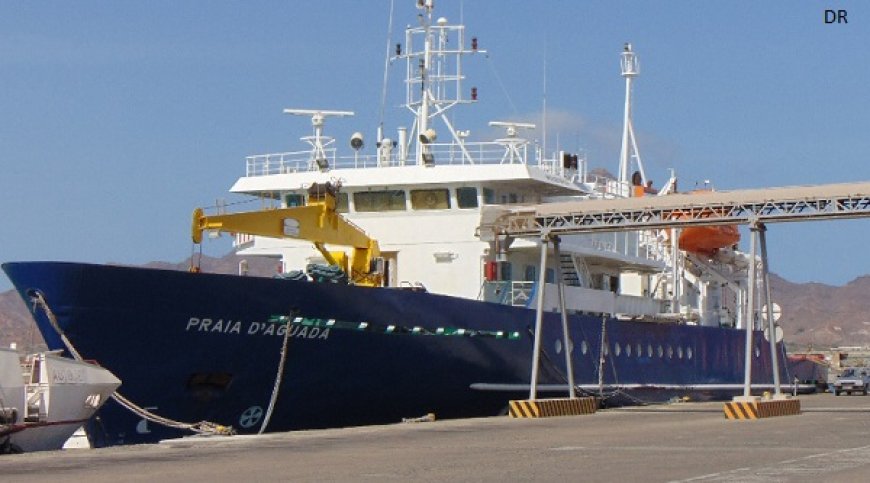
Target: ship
{"type": "Point", "coordinates": [45, 398]}
{"type": "Point", "coordinates": [393, 300]}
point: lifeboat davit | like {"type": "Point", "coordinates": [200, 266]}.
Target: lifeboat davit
{"type": "Point", "coordinates": [707, 240]}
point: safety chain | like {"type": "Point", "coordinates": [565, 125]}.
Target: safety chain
{"type": "Point", "coordinates": [202, 427]}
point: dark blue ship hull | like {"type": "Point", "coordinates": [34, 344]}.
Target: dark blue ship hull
{"type": "Point", "coordinates": [194, 347]}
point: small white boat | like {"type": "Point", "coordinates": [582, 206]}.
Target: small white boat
{"type": "Point", "coordinates": [45, 398]}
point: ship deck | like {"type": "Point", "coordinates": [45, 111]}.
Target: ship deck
{"type": "Point", "coordinates": [685, 441]}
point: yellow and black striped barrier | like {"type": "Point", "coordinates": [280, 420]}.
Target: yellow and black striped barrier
{"type": "Point", "coordinates": [762, 408]}
{"type": "Point", "coordinates": [545, 408]}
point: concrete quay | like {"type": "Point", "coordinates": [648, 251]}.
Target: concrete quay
{"type": "Point", "coordinates": [830, 441]}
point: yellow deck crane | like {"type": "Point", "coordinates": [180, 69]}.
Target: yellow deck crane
{"type": "Point", "coordinates": [317, 222]}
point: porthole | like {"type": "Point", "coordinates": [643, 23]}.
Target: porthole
{"type": "Point", "coordinates": [689, 352]}
{"type": "Point", "coordinates": [584, 347]}
{"type": "Point", "coordinates": [617, 349]}
{"type": "Point", "coordinates": [670, 352]}
{"type": "Point", "coordinates": [639, 349]}
{"type": "Point", "coordinates": [660, 351]}
{"type": "Point", "coordinates": [606, 350]}
{"type": "Point", "coordinates": [649, 351]}
{"type": "Point", "coordinates": [627, 350]}
{"type": "Point", "coordinates": [558, 346]}
{"type": "Point", "coordinates": [757, 351]}
{"type": "Point", "coordinates": [680, 352]}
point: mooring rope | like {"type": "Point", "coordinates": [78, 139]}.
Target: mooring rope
{"type": "Point", "coordinates": [202, 427]}
{"type": "Point", "coordinates": [601, 355]}
{"type": "Point", "coordinates": [280, 375]}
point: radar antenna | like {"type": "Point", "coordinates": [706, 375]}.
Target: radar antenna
{"type": "Point", "coordinates": [512, 143]}
{"type": "Point", "coordinates": [318, 141]}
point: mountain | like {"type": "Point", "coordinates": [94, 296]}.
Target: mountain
{"type": "Point", "coordinates": [16, 325]}
{"type": "Point", "coordinates": [814, 315]}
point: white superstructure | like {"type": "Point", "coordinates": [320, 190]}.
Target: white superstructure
{"type": "Point", "coordinates": [424, 194]}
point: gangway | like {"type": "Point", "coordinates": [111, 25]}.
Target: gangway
{"type": "Point", "coordinates": [755, 207]}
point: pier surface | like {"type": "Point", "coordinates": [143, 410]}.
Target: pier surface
{"type": "Point", "coordinates": [830, 441]}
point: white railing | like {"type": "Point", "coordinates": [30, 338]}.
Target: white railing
{"type": "Point", "coordinates": [445, 154]}
{"type": "Point", "coordinates": [242, 239]}
{"type": "Point", "coordinates": [279, 163]}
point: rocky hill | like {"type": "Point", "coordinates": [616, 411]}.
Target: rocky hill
{"type": "Point", "coordinates": [814, 315]}
{"type": "Point", "coordinates": [16, 325]}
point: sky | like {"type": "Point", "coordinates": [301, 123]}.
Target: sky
{"type": "Point", "coordinates": [117, 118]}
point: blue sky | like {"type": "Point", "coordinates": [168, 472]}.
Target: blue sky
{"type": "Point", "coordinates": [118, 118]}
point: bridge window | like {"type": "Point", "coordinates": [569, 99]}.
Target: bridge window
{"type": "Point", "coordinates": [368, 201]}
{"type": "Point", "coordinates": [341, 204]}
{"type": "Point", "coordinates": [435, 199]}
{"type": "Point", "coordinates": [488, 196]}
{"type": "Point", "coordinates": [292, 200]}
{"type": "Point", "coordinates": [466, 197]}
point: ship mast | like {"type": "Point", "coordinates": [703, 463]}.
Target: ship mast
{"type": "Point", "coordinates": [630, 69]}
{"type": "Point", "coordinates": [434, 80]}
{"type": "Point", "coordinates": [423, 116]}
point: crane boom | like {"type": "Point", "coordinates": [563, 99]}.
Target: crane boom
{"type": "Point", "coordinates": [317, 222]}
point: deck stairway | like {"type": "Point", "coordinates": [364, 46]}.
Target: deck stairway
{"type": "Point", "coordinates": [570, 276]}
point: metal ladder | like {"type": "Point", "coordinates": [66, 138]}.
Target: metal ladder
{"type": "Point", "coordinates": [36, 391]}
{"type": "Point", "coordinates": [569, 270]}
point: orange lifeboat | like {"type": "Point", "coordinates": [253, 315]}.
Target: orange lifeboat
{"type": "Point", "coordinates": [707, 240]}
{"type": "Point", "coordinates": [703, 240]}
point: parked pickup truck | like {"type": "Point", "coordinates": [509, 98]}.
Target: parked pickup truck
{"type": "Point", "coordinates": [853, 379]}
